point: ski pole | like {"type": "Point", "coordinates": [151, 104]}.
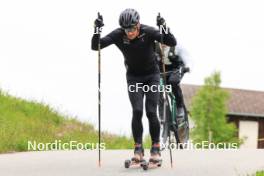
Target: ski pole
{"type": "Point", "coordinates": [165, 83]}
{"type": "Point", "coordinates": [162, 54]}
{"type": "Point", "coordinates": [99, 97]}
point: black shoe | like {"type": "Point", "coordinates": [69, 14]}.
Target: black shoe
{"type": "Point", "coordinates": [138, 152]}
{"type": "Point", "coordinates": [155, 152]}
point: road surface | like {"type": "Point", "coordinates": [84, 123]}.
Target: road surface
{"type": "Point", "coordinates": [84, 163]}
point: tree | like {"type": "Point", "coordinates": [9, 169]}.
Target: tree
{"type": "Point", "coordinates": [208, 111]}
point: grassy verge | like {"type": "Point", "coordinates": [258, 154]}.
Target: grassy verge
{"type": "Point", "coordinates": [260, 173]}
{"type": "Point", "coordinates": [22, 121]}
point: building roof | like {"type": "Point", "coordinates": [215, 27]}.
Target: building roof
{"type": "Point", "coordinates": [241, 102]}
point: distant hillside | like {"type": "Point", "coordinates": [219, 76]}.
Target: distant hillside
{"type": "Point", "coordinates": [22, 121]}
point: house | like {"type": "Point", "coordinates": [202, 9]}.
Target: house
{"type": "Point", "coordinates": [245, 109]}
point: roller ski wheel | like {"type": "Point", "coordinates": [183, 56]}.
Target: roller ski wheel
{"type": "Point", "coordinates": [145, 166]}
{"type": "Point", "coordinates": [152, 164]}
{"type": "Point", "coordinates": [127, 163]}
{"type": "Point", "coordinates": [135, 163]}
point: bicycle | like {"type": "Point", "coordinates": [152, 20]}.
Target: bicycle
{"type": "Point", "coordinates": [171, 125]}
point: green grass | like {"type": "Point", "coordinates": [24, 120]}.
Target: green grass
{"type": "Point", "coordinates": [260, 173]}
{"type": "Point", "coordinates": [22, 121]}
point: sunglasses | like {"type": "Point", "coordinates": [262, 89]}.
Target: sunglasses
{"type": "Point", "coordinates": [131, 29]}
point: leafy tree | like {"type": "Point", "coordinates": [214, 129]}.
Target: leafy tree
{"type": "Point", "coordinates": [208, 111]}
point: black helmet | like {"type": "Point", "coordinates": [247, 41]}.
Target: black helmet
{"type": "Point", "coordinates": [128, 18]}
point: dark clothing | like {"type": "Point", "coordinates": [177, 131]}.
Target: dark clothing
{"type": "Point", "coordinates": [142, 67]}
{"type": "Point", "coordinates": [172, 78]}
{"type": "Point", "coordinates": [151, 102]}
{"type": "Point", "coordinates": [176, 60]}
{"type": "Point", "coordinates": [139, 53]}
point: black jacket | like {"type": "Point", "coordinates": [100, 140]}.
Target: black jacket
{"type": "Point", "coordinates": [139, 53]}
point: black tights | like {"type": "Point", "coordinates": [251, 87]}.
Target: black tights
{"type": "Point", "coordinates": [151, 102]}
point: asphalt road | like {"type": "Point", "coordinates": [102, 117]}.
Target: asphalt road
{"type": "Point", "coordinates": [84, 163]}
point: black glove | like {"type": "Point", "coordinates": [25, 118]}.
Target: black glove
{"type": "Point", "coordinates": [173, 58]}
{"type": "Point", "coordinates": [175, 77]}
{"type": "Point", "coordinates": [98, 23]}
{"type": "Point", "coordinates": [162, 25]}
{"type": "Point", "coordinates": [160, 21]}
{"type": "Point", "coordinates": [185, 69]}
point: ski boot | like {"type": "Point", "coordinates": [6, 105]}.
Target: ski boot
{"type": "Point", "coordinates": [155, 157]}
{"type": "Point", "coordinates": [137, 159]}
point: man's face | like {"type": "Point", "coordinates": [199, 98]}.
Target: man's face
{"type": "Point", "coordinates": [132, 32]}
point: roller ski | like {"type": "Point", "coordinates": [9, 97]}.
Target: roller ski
{"type": "Point", "coordinates": [137, 160]}
{"type": "Point", "coordinates": [155, 160]}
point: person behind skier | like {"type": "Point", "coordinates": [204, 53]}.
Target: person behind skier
{"type": "Point", "coordinates": [175, 65]}
{"type": "Point", "coordinates": [136, 42]}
